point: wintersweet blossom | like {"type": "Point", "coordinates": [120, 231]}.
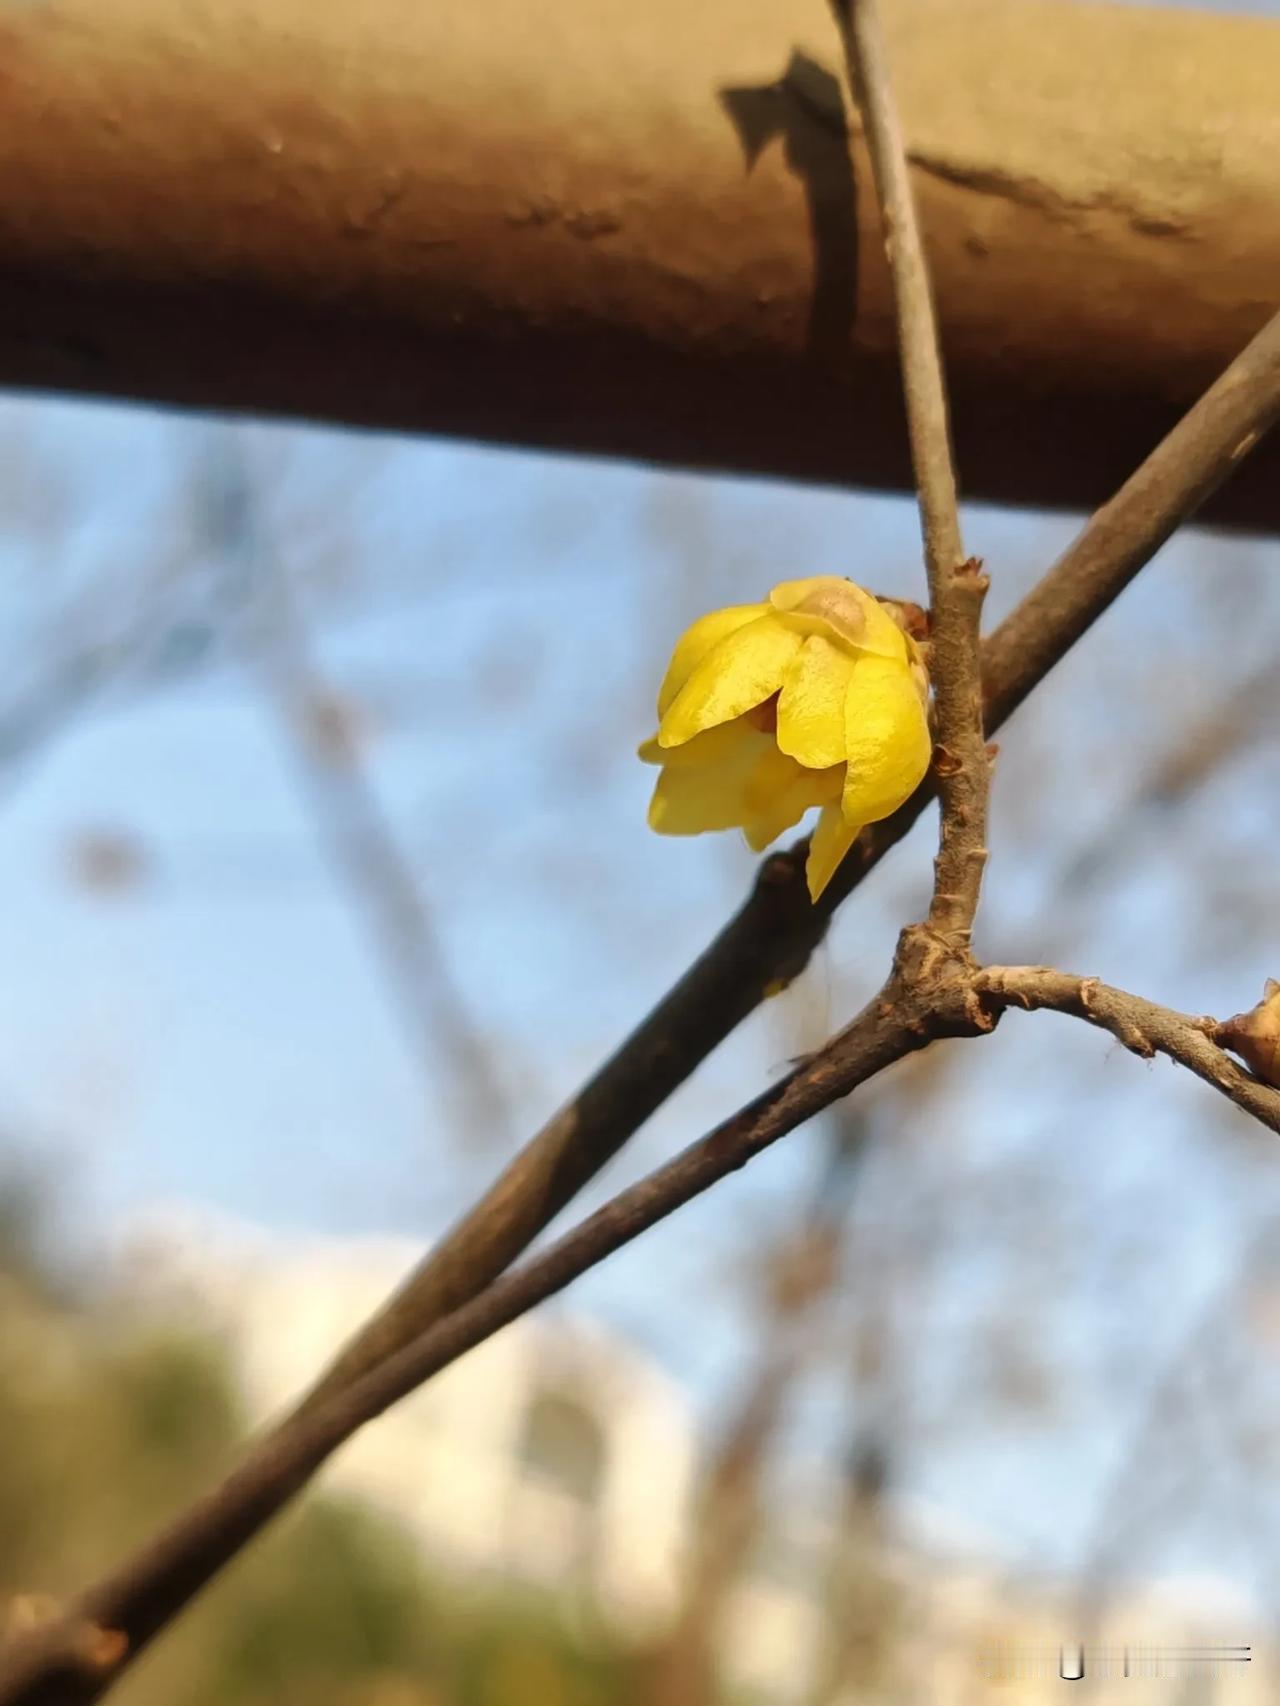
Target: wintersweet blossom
{"type": "Point", "coordinates": [816, 697]}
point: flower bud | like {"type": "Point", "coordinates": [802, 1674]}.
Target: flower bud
{"type": "Point", "coordinates": [814, 697]}
{"type": "Point", "coordinates": [1255, 1036]}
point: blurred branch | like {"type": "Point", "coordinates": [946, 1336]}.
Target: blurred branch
{"type": "Point", "coordinates": [861, 1604]}
{"type": "Point", "coordinates": [798, 1276]}
{"type": "Point", "coordinates": [1144, 1028]}
{"type": "Point", "coordinates": [1165, 1410]}
{"type": "Point", "coordinates": [1241, 718]}
{"type": "Point", "coordinates": [84, 669]}
{"type": "Point", "coordinates": [68, 685]}
{"type": "Point", "coordinates": [348, 816]}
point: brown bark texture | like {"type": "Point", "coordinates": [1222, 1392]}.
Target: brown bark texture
{"type": "Point", "coordinates": [636, 231]}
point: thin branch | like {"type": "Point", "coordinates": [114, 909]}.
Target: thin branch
{"type": "Point", "coordinates": [1183, 472]}
{"type": "Point", "coordinates": [153, 1585]}
{"type": "Point", "coordinates": [770, 939]}
{"type": "Point", "coordinates": [924, 389]}
{"type": "Point", "coordinates": [956, 585]}
{"type": "Point", "coordinates": [1144, 1028]}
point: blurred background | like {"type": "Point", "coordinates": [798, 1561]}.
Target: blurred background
{"type": "Point", "coordinates": [323, 841]}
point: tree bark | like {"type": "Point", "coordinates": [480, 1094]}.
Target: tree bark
{"type": "Point", "coordinates": [640, 231]}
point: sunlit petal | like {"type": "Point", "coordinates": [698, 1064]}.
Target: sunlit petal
{"type": "Point", "coordinates": [779, 792]}
{"type": "Point", "coordinates": [831, 840]}
{"type": "Point", "coordinates": [727, 743]}
{"type": "Point", "coordinates": [687, 802]}
{"type": "Point", "coordinates": [817, 698]}
{"type": "Point", "coordinates": [740, 672]}
{"type": "Point", "coordinates": [704, 784]}
{"type": "Point", "coordinates": [840, 611]}
{"type": "Point", "coordinates": [886, 739]}
{"type": "Point", "coordinates": [811, 706]}
{"type": "Point", "coordinates": [696, 641]}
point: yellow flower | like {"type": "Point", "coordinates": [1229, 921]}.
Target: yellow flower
{"type": "Point", "coordinates": [815, 698]}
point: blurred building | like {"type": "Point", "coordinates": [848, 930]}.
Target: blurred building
{"type": "Point", "coordinates": [558, 1456]}
{"type": "Point", "coordinates": [554, 1453]}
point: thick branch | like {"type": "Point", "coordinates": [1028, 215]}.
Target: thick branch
{"type": "Point", "coordinates": [956, 586]}
{"type": "Point", "coordinates": [1144, 1028]}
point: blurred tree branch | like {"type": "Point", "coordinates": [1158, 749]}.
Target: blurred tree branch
{"type": "Point", "coordinates": [1144, 1475]}
{"type": "Point", "coordinates": [797, 1278]}
{"type": "Point", "coordinates": [348, 817]}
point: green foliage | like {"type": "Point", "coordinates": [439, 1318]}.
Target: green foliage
{"type": "Point", "coordinates": [334, 1593]}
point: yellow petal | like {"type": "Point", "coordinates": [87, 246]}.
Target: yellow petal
{"type": "Point", "coordinates": [696, 641]}
{"type": "Point", "coordinates": [778, 794]}
{"type": "Point", "coordinates": [741, 671]}
{"type": "Point", "coordinates": [830, 841]}
{"type": "Point", "coordinates": [811, 706]}
{"type": "Point", "coordinates": [841, 611]}
{"type": "Point", "coordinates": [703, 785]}
{"type": "Point", "coordinates": [886, 739]}
{"type": "Point", "coordinates": [766, 826]}
{"type": "Point", "coordinates": [688, 802]}
{"type": "Point", "coordinates": [722, 745]}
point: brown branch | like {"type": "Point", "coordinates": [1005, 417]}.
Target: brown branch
{"type": "Point", "coordinates": [770, 939]}
{"type": "Point", "coordinates": [956, 585]}
{"type": "Point", "coordinates": [1144, 1028]}
{"type": "Point", "coordinates": [1182, 472]}
{"type": "Point", "coordinates": [917, 1005]}
{"type": "Point", "coordinates": [923, 387]}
